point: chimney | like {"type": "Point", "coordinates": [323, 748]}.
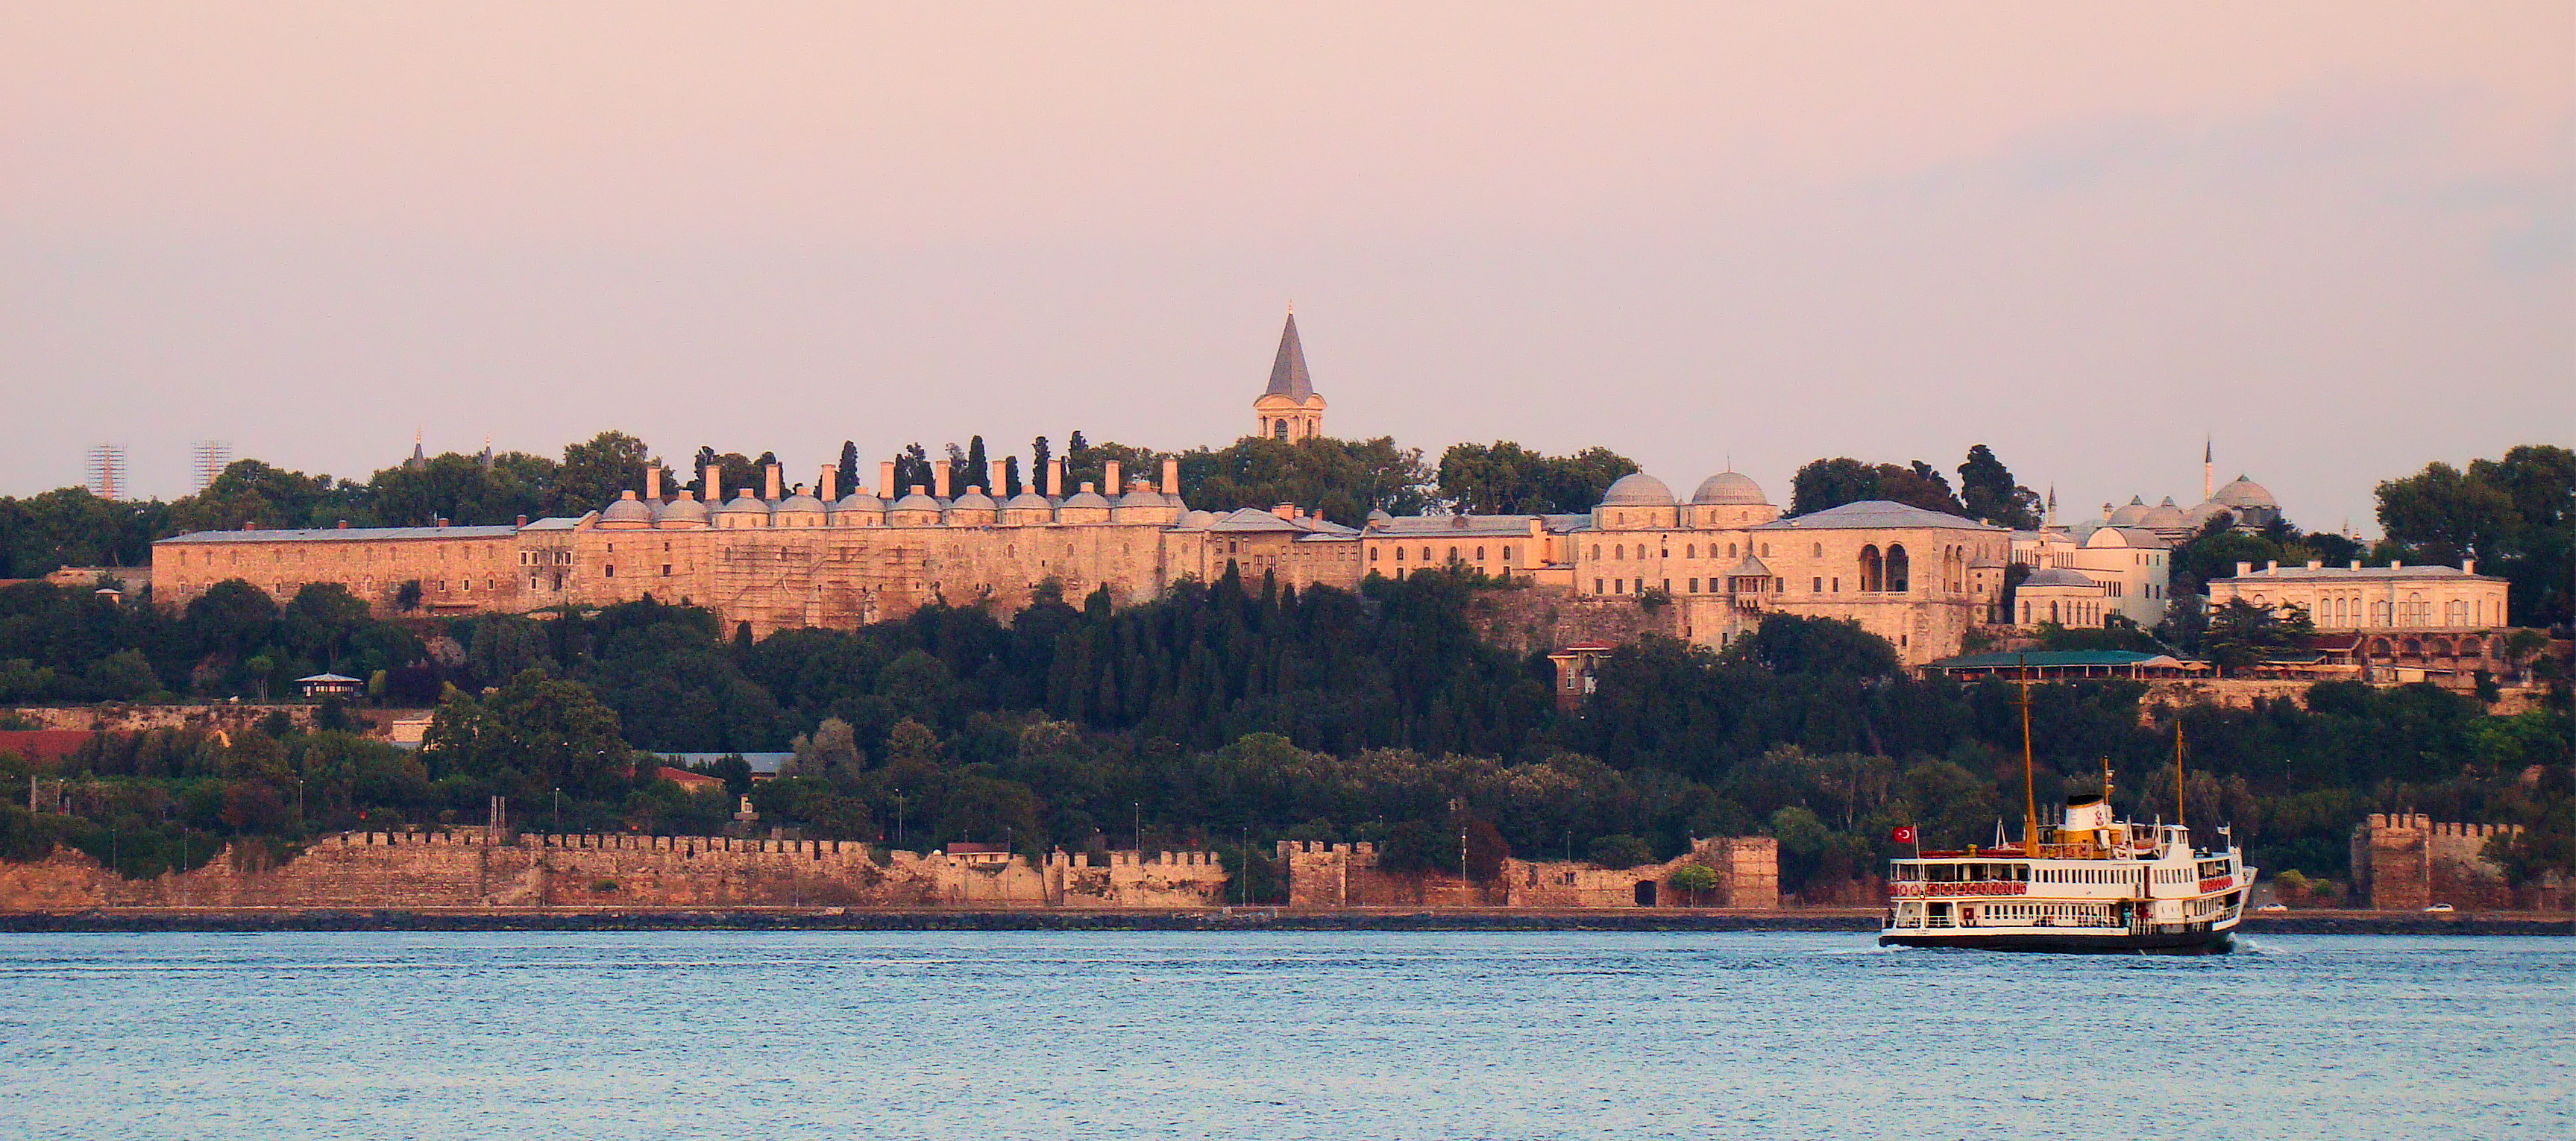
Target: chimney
{"type": "Point", "coordinates": [1086, 488]}
{"type": "Point", "coordinates": [993, 479]}
{"type": "Point", "coordinates": [1055, 477]}
{"type": "Point", "coordinates": [2468, 566]}
{"type": "Point", "coordinates": [939, 474]}
{"type": "Point", "coordinates": [2316, 564]}
{"type": "Point", "coordinates": [523, 521]}
{"type": "Point", "coordinates": [250, 524]}
{"type": "Point", "coordinates": [653, 482]}
{"type": "Point", "coordinates": [885, 478]}
{"type": "Point", "coordinates": [771, 483]}
{"type": "Point", "coordinates": [1286, 511]}
{"type": "Point", "coordinates": [2356, 564]}
{"type": "Point", "coordinates": [2271, 566]}
{"type": "Point", "coordinates": [831, 472]}
{"type": "Point", "coordinates": [1109, 479]}
{"type": "Point", "coordinates": [715, 484]}
{"type": "Point", "coordinates": [2243, 569]}
{"type": "Point", "coordinates": [442, 521]}
{"type": "Point", "coordinates": [1171, 477]}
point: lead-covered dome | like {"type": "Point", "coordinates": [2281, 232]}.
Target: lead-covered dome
{"type": "Point", "coordinates": [2131, 515]}
{"type": "Point", "coordinates": [801, 502]}
{"type": "Point", "coordinates": [2243, 492]}
{"type": "Point", "coordinates": [744, 504]}
{"type": "Point", "coordinates": [2058, 576]}
{"type": "Point", "coordinates": [628, 509]}
{"type": "Point", "coordinates": [2162, 516]}
{"type": "Point", "coordinates": [1729, 487]}
{"type": "Point", "coordinates": [686, 511]}
{"type": "Point", "coordinates": [1637, 489]}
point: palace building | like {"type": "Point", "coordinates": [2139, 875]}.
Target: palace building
{"type": "Point", "coordinates": [776, 557]}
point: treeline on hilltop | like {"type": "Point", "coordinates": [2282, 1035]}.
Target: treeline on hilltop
{"type": "Point", "coordinates": [1220, 713]}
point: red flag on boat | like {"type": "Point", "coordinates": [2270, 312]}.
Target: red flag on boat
{"type": "Point", "coordinates": [1904, 835]}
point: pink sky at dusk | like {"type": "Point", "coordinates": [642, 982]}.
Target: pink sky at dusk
{"type": "Point", "coordinates": [2340, 237]}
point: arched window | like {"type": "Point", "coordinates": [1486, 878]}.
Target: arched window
{"type": "Point", "coordinates": [2052, 611]}
{"type": "Point", "coordinates": [1596, 552]}
{"type": "Point", "coordinates": [1279, 429]}
{"type": "Point", "coordinates": [1619, 551]}
{"type": "Point", "coordinates": [1870, 569]}
{"type": "Point", "coordinates": [1819, 551]}
{"type": "Point", "coordinates": [1899, 569]}
{"type": "Point", "coordinates": [1480, 554]}
{"type": "Point", "coordinates": [1690, 550]}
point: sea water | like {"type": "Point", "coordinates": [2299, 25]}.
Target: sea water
{"type": "Point", "coordinates": [1273, 1035]}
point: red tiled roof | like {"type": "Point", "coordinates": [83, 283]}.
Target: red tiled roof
{"type": "Point", "coordinates": [694, 782]}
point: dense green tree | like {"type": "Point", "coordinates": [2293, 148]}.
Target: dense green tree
{"type": "Point", "coordinates": [1827, 483]}
{"type": "Point", "coordinates": [531, 736]}
{"type": "Point", "coordinates": [1987, 490]}
{"type": "Point", "coordinates": [1506, 478]}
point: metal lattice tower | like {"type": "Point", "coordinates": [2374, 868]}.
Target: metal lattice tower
{"type": "Point", "coordinates": [210, 458]}
{"type": "Point", "coordinates": [107, 471]}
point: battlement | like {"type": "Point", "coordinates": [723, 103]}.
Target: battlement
{"type": "Point", "coordinates": [1320, 848]}
{"type": "Point", "coordinates": [2403, 861]}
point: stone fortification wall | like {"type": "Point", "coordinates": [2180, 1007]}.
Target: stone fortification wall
{"type": "Point", "coordinates": [227, 717]}
{"type": "Point", "coordinates": [2409, 861]}
{"type": "Point", "coordinates": [1542, 619]}
{"type": "Point", "coordinates": [1348, 875]}
{"type": "Point", "coordinates": [467, 868]}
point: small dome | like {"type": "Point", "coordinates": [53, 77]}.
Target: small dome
{"type": "Point", "coordinates": [1029, 501]}
{"type": "Point", "coordinates": [801, 502]}
{"type": "Point", "coordinates": [916, 502]}
{"type": "Point", "coordinates": [2243, 492]}
{"type": "Point", "coordinates": [2162, 515]}
{"type": "Point", "coordinates": [973, 500]}
{"type": "Point", "coordinates": [2057, 576]}
{"type": "Point", "coordinates": [1198, 520]}
{"type": "Point", "coordinates": [1729, 487]}
{"type": "Point", "coordinates": [744, 504]}
{"type": "Point", "coordinates": [2203, 513]}
{"type": "Point", "coordinates": [1085, 499]}
{"type": "Point", "coordinates": [1143, 497]}
{"type": "Point", "coordinates": [2131, 515]}
{"type": "Point", "coordinates": [1637, 489]}
{"type": "Point", "coordinates": [684, 510]}
{"type": "Point", "coordinates": [859, 501]}
{"type": "Point", "coordinates": [627, 509]}
{"type": "Point", "coordinates": [1379, 515]}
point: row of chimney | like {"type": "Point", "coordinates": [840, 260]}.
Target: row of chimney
{"type": "Point", "coordinates": [939, 473]}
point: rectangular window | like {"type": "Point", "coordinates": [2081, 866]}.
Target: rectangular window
{"type": "Point", "coordinates": [1694, 586]}
{"type": "Point", "coordinates": [1596, 586]}
{"type": "Point", "coordinates": [608, 571]}
{"type": "Point", "coordinates": [1816, 587]}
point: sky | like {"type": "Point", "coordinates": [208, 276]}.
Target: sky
{"type": "Point", "coordinates": [2338, 238]}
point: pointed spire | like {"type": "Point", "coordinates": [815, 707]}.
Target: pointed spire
{"type": "Point", "coordinates": [419, 458]}
{"type": "Point", "coordinates": [1288, 373]}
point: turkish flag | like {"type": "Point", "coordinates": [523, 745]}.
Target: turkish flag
{"type": "Point", "coordinates": [1904, 835]}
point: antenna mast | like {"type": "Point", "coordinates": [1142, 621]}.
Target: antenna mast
{"type": "Point", "coordinates": [2029, 782]}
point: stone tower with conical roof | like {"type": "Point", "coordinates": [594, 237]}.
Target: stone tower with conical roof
{"type": "Point", "coordinates": [1289, 409]}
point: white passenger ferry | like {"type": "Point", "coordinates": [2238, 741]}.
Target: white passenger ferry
{"type": "Point", "coordinates": [2089, 884]}
{"type": "Point", "coordinates": [2093, 885]}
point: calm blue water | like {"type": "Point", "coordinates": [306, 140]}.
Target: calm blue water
{"type": "Point", "coordinates": [1273, 1035]}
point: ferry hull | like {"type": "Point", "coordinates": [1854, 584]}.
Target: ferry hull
{"type": "Point", "coordinates": [2217, 942]}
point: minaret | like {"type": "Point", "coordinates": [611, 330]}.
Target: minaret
{"type": "Point", "coordinates": [2208, 470]}
{"type": "Point", "coordinates": [1289, 409]}
{"type": "Point", "coordinates": [2051, 519]}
